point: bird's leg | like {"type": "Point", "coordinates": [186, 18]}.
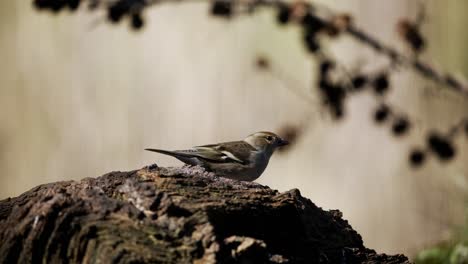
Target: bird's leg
{"type": "Point", "coordinates": [152, 167]}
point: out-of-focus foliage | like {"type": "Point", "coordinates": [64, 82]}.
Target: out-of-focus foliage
{"type": "Point", "coordinates": [453, 252]}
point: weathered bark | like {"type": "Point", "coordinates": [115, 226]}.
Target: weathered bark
{"type": "Point", "coordinates": [174, 215]}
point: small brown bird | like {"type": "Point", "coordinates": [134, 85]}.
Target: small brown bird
{"type": "Point", "coordinates": [243, 160]}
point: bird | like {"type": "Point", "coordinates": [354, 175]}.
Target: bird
{"type": "Point", "coordinates": [243, 160]}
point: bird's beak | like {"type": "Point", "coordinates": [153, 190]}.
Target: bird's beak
{"type": "Point", "coordinates": [283, 142]}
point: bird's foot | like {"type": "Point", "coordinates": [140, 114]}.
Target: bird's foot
{"type": "Point", "coordinates": [152, 167]}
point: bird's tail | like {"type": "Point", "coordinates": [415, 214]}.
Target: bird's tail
{"type": "Point", "coordinates": [175, 154]}
{"type": "Point", "coordinates": [186, 158]}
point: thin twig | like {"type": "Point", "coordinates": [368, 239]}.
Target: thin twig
{"type": "Point", "coordinates": [422, 68]}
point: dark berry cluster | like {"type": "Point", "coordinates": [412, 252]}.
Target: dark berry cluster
{"type": "Point", "coordinates": [332, 92]}
{"type": "Point", "coordinates": [400, 124]}
{"type": "Point", "coordinates": [417, 157]}
{"type": "Point", "coordinates": [116, 10]}
{"type": "Point", "coordinates": [222, 8]}
{"type": "Point", "coordinates": [284, 13]}
{"type": "Point", "coordinates": [57, 5]}
{"type": "Point", "coordinates": [410, 34]}
{"type": "Point", "coordinates": [358, 82]}
{"type": "Point", "coordinates": [439, 145]}
{"type": "Point", "coordinates": [380, 83]}
{"type": "Point", "coordinates": [127, 8]}
{"type": "Point", "coordinates": [382, 113]}
{"type": "Point", "coordinates": [312, 25]}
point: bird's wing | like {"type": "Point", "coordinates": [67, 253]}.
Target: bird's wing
{"type": "Point", "coordinates": [203, 153]}
{"type": "Point", "coordinates": [237, 151]}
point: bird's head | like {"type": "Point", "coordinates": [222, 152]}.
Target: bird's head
{"type": "Point", "coordinates": [266, 141]}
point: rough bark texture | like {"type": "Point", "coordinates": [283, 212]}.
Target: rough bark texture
{"type": "Point", "coordinates": [174, 215]}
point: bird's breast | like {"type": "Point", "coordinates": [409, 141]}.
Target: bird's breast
{"type": "Point", "coordinates": [246, 172]}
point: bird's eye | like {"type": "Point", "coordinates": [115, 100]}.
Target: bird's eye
{"type": "Point", "coordinates": [269, 138]}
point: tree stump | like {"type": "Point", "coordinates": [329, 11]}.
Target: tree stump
{"type": "Point", "coordinates": [174, 215]}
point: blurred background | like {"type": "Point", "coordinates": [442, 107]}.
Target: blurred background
{"type": "Point", "coordinates": [80, 97]}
